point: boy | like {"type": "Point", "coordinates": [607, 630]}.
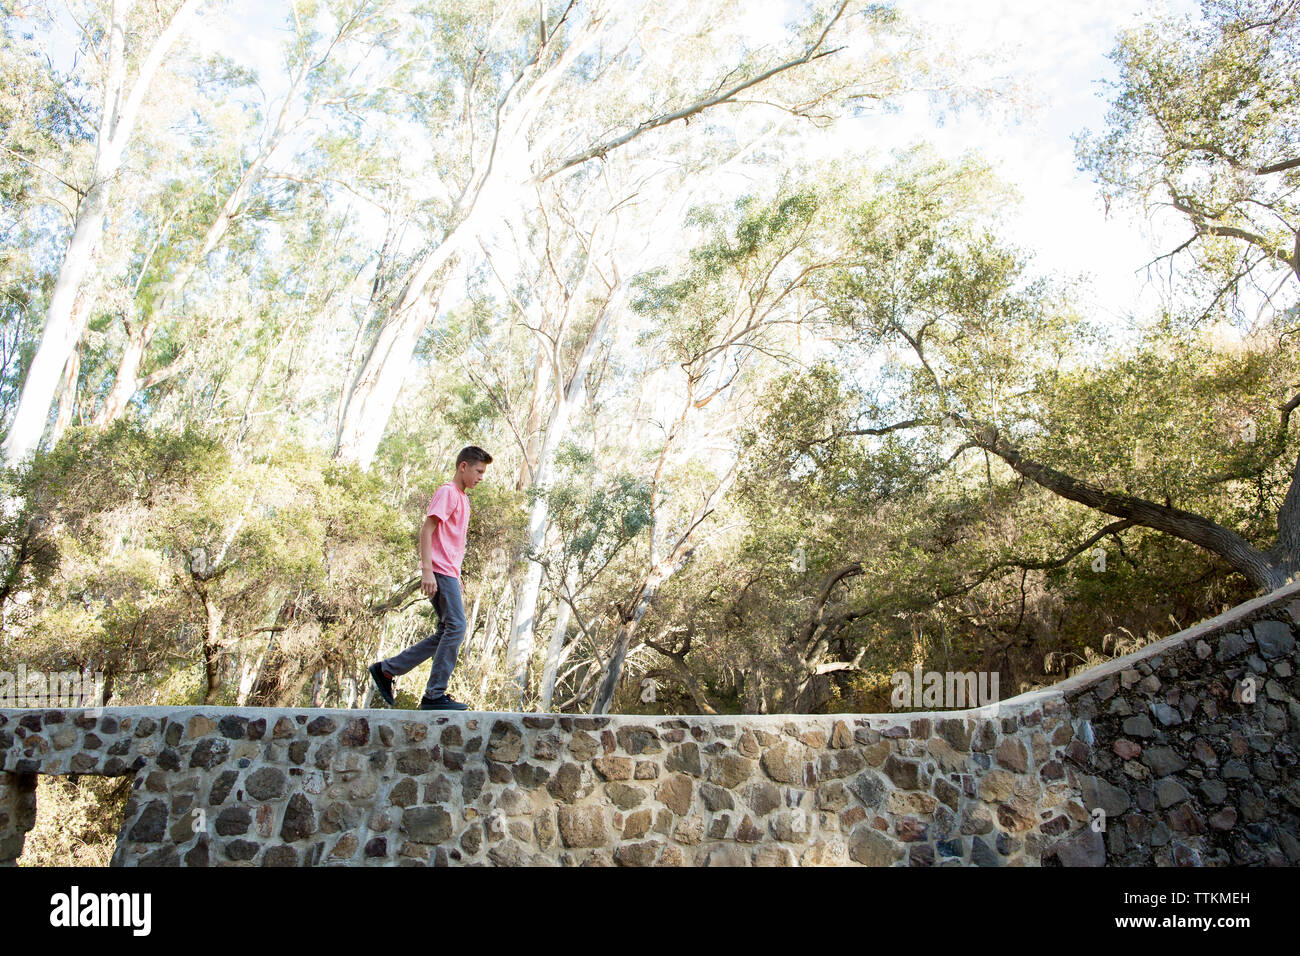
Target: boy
{"type": "Point", "coordinates": [442, 546]}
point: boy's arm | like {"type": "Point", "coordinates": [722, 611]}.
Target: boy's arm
{"type": "Point", "coordinates": [428, 583]}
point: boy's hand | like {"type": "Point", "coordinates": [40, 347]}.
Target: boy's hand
{"type": "Point", "coordinates": [428, 585]}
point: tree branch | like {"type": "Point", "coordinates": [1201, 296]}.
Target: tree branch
{"type": "Point", "coordinates": [814, 52]}
{"type": "Point", "coordinates": [1185, 525]}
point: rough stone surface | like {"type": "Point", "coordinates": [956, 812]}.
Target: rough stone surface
{"type": "Point", "coordinates": [583, 826]}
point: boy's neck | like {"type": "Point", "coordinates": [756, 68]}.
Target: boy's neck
{"type": "Point", "coordinates": [460, 485]}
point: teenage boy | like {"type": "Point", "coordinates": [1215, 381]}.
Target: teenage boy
{"type": "Point", "coordinates": [442, 546]}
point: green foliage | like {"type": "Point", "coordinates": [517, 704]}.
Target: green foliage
{"type": "Point", "coordinates": [839, 327]}
{"type": "Point", "coordinates": [40, 112]}
{"type": "Point", "coordinates": [1206, 119]}
{"type": "Point", "coordinates": [1169, 417]}
{"type": "Point", "coordinates": [743, 246]}
{"type": "Point", "coordinates": [955, 548]}
{"type": "Point", "coordinates": [77, 820]}
{"type": "Point", "coordinates": [142, 530]}
{"type": "Point", "coordinates": [595, 514]}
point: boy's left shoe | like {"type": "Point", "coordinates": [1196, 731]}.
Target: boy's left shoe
{"type": "Point", "coordinates": [445, 702]}
{"type": "Point", "coordinates": [383, 683]}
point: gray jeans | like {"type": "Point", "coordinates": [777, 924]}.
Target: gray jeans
{"type": "Point", "coordinates": [442, 645]}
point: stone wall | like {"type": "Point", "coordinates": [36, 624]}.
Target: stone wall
{"type": "Point", "coordinates": [1149, 760]}
{"type": "Point", "coordinates": [1187, 768]}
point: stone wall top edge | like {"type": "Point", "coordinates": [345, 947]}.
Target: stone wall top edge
{"type": "Point", "coordinates": [1072, 686]}
{"type": "Point", "coordinates": [988, 711]}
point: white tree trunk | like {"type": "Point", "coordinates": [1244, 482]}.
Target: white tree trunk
{"type": "Point", "coordinates": [67, 396]}
{"type": "Point", "coordinates": [63, 329]}
{"type": "Point", "coordinates": [556, 648]}
{"type": "Point", "coordinates": [373, 392]}
{"type": "Point", "coordinates": [249, 671]}
{"type": "Point", "coordinates": [370, 398]}
{"type": "Point", "coordinates": [520, 648]}
{"type": "Point", "coordinates": [126, 381]}
{"type": "Point", "coordinates": [533, 427]}
{"type": "Point", "coordinates": [473, 614]}
{"type": "Point", "coordinates": [64, 324]}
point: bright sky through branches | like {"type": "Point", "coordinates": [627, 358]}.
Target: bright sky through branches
{"type": "Point", "coordinates": [1052, 55]}
{"type": "Point", "coordinates": [1057, 53]}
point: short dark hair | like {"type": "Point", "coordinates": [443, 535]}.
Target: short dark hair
{"type": "Point", "coordinates": [473, 453]}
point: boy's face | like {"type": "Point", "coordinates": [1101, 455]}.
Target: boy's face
{"type": "Point", "coordinates": [471, 472]}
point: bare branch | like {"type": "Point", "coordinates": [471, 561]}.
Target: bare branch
{"type": "Point", "coordinates": [814, 52]}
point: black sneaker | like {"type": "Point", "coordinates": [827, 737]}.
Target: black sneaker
{"type": "Point", "coordinates": [383, 684]}
{"type": "Point", "coordinates": [445, 702]}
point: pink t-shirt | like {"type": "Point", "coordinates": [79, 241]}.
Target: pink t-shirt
{"type": "Point", "coordinates": [450, 506]}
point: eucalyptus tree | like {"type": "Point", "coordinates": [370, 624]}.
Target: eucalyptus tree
{"type": "Point", "coordinates": [46, 133]}
{"type": "Point", "coordinates": [570, 323]}
{"type": "Point", "coordinates": [596, 517]}
{"type": "Point", "coordinates": [572, 288]}
{"type": "Point", "coordinates": [554, 314]}
{"type": "Point", "coordinates": [719, 322]}
{"type": "Point", "coordinates": [126, 73]}
{"type": "Point", "coordinates": [643, 176]}
{"type": "Point", "coordinates": [528, 94]}
{"type": "Point", "coordinates": [248, 171]}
